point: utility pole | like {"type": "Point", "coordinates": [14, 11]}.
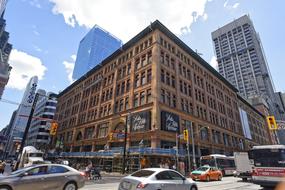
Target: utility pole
{"type": "Point", "coordinates": [27, 129]}
{"type": "Point", "coordinates": [193, 146]}
{"type": "Point", "coordinates": [188, 145]}
{"type": "Point", "coordinates": [177, 150]}
{"type": "Point", "coordinates": [125, 145]}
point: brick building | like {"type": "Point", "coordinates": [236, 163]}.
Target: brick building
{"type": "Point", "coordinates": [159, 84]}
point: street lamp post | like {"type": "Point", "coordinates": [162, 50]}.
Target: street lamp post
{"type": "Point", "coordinates": [125, 145]}
{"type": "Point", "coordinates": [193, 146]}
{"type": "Point", "coordinates": [140, 150]}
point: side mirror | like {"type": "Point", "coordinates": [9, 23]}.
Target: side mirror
{"type": "Point", "coordinates": [183, 178]}
{"type": "Point", "coordinates": [24, 174]}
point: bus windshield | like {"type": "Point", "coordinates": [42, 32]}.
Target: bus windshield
{"type": "Point", "coordinates": [268, 157]}
{"type": "Point", "coordinates": [208, 161]}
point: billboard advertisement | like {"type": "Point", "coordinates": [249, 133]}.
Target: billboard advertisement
{"type": "Point", "coordinates": [245, 124]}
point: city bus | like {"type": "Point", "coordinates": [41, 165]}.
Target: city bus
{"type": "Point", "coordinates": [269, 164]}
{"type": "Point", "coordinates": [224, 163]}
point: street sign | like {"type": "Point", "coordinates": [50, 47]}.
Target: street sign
{"type": "Point", "coordinates": [121, 135]}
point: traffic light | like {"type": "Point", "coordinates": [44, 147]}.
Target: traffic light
{"type": "Point", "coordinates": [110, 136]}
{"type": "Point", "coordinates": [271, 123]}
{"type": "Point", "coordinates": [185, 134]}
{"type": "Point", "coordinates": [53, 128]}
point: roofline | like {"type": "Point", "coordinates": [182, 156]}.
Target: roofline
{"type": "Point", "coordinates": [159, 26]}
{"type": "Point", "coordinates": [248, 104]}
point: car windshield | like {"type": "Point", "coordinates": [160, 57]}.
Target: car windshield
{"type": "Point", "coordinates": [35, 154]}
{"type": "Point", "coordinates": [203, 168]}
{"type": "Point", "coordinates": [143, 173]}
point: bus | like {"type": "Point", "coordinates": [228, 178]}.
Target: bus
{"type": "Point", "coordinates": [224, 163]}
{"type": "Point", "coordinates": [268, 164]}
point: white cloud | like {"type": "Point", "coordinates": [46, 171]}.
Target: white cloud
{"type": "Point", "coordinates": [35, 3]}
{"type": "Point", "coordinates": [214, 62]}
{"type": "Point", "coordinates": [230, 7]}
{"type": "Point", "coordinates": [125, 18]}
{"type": "Point", "coordinates": [235, 5]}
{"type": "Point", "coordinates": [36, 32]}
{"type": "Point", "coordinates": [226, 3]}
{"type": "Point", "coordinates": [205, 16]}
{"type": "Point", "coordinates": [37, 48]}
{"type": "Point", "coordinates": [24, 66]}
{"type": "Point", "coordinates": [69, 66]}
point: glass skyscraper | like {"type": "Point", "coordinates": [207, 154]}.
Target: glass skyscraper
{"type": "Point", "coordinates": [97, 45]}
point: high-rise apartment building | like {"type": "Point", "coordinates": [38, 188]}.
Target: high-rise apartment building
{"type": "Point", "coordinates": [38, 135]}
{"type": "Point", "coordinates": [5, 50]}
{"type": "Point", "coordinates": [21, 118]}
{"type": "Point", "coordinates": [241, 60]}
{"type": "Point", "coordinates": [93, 49]}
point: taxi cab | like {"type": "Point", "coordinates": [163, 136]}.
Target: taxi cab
{"type": "Point", "coordinates": [206, 173]}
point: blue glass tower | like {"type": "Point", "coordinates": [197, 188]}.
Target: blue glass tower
{"type": "Point", "coordinates": [97, 45]}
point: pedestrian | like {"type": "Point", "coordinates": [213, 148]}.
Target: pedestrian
{"type": "Point", "coordinates": [2, 166]}
{"type": "Point", "coordinates": [88, 170]}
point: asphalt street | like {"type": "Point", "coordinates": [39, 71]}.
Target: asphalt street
{"type": "Point", "coordinates": [228, 183]}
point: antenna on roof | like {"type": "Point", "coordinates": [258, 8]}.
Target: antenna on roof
{"type": "Point", "coordinates": [150, 25]}
{"type": "Point", "coordinates": [198, 52]}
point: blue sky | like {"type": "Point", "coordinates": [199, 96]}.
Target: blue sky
{"type": "Point", "coordinates": [45, 33]}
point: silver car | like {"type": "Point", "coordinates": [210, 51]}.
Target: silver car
{"type": "Point", "coordinates": [43, 177]}
{"type": "Point", "coordinates": [157, 178]}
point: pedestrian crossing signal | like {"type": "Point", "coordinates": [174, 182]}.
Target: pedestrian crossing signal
{"type": "Point", "coordinates": [185, 134]}
{"type": "Point", "coordinates": [272, 123]}
{"type": "Point", "coordinates": [53, 128]}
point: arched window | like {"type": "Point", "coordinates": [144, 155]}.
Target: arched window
{"type": "Point", "coordinates": [79, 136]}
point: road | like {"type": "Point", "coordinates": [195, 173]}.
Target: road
{"type": "Point", "coordinates": [228, 183]}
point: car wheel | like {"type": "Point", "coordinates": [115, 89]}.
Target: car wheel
{"type": "Point", "coordinates": [208, 178]}
{"type": "Point", "coordinates": [193, 188]}
{"type": "Point", "coordinates": [5, 187]}
{"type": "Point", "coordinates": [70, 186]}
{"type": "Point", "coordinates": [220, 178]}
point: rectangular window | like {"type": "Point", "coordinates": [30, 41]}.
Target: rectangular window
{"type": "Point", "coordinates": [137, 64]}
{"type": "Point", "coordinates": [173, 81]}
{"type": "Point", "coordinates": [128, 85]}
{"type": "Point", "coordinates": [148, 96]}
{"type": "Point", "coordinates": [127, 103]}
{"type": "Point", "coordinates": [144, 61]}
{"type": "Point", "coordinates": [162, 96]}
{"type": "Point", "coordinates": [149, 76]}
{"type": "Point", "coordinates": [143, 79]}
{"type": "Point", "coordinates": [137, 81]}
{"type": "Point", "coordinates": [121, 106]}
{"type": "Point", "coordinates": [129, 69]}
{"type": "Point", "coordinates": [162, 76]}
{"type": "Point", "coordinates": [168, 96]}
{"type": "Point", "coordinates": [136, 100]}
{"type": "Point", "coordinates": [142, 98]}
{"type": "Point", "coordinates": [167, 78]}
{"type": "Point", "coordinates": [123, 88]}
{"type": "Point", "coordinates": [173, 101]}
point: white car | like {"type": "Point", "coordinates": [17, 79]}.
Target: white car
{"type": "Point", "coordinates": [157, 178]}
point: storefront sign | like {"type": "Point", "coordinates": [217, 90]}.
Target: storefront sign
{"type": "Point", "coordinates": [140, 121]}
{"type": "Point", "coordinates": [169, 121]}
